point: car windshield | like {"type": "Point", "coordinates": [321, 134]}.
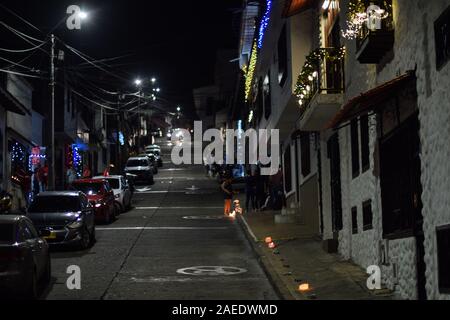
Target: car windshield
{"type": "Point", "coordinates": [55, 204]}
{"type": "Point", "coordinates": [114, 183]}
{"type": "Point", "coordinates": [6, 233]}
{"type": "Point", "coordinates": [137, 163]}
{"type": "Point", "coordinates": [89, 188]}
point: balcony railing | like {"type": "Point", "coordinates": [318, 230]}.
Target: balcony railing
{"type": "Point", "coordinates": [372, 45]}
{"type": "Point", "coordinates": [323, 74]}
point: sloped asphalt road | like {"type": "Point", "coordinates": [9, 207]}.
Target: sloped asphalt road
{"type": "Point", "coordinates": [142, 255]}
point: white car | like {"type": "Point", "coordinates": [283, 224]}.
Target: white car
{"type": "Point", "coordinates": [153, 147]}
{"type": "Point", "coordinates": [122, 192]}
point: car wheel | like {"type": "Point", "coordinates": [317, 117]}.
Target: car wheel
{"type": "Point", "coordinates": [32, 291]}
{"type": "Point", "coordinates": [48, 271]}
{"type": "Point", "coordinates": [107, 219]}
{"type": "Point", "coordinates": [93, 237]}
{"type": "Point", "coordinates": [85, 239]}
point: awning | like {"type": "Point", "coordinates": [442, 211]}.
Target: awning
{"type": "Point", "coordinates": [370, 100]}
{"type": "Point", "coordinates": [10, 103]}
{"type": "Point", "coordinates": [294, 7]}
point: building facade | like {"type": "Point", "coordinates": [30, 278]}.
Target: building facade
{"type": "Point", "coordinates": [362, 108]}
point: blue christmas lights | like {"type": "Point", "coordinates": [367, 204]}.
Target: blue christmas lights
{"type": "Point", "coordinates": [264, 23]}
{"type": "Point", "coordinates": [77, 160]}
{"type": "Point", "coordinates": [17, 153]}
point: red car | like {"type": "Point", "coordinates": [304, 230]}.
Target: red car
{"type": "Point", "coordinates": [101, 196]}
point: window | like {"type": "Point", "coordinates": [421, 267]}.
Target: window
{"type": "Point", "coordinates": [45, 204]}
{"type": "Point", "coordinates": [31, 230]}
{"type": "Point", "coordinates": [355, 147]}
{"type": "Point", "coordinates": [442, 39]}
{"type": "Point", "coordinates": [365, 150]}
{"type": "Point", "coordinates": [287, 169]}
{"type": "Point", "coordinates": [305, 149]}
{"type": "Point", "coordinates": [354, 220]}
{"type": "Point", "coordinates": [282, 57]}
{"type": "Point", "coordinates": [6, 233]}
{"type": "Point", "coordinates": [443, 244]}
{"type": "Point", "coordinates": [367, 215]}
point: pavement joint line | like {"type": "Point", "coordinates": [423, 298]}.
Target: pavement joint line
{"type": "Point", "coordinates": [160, 228]}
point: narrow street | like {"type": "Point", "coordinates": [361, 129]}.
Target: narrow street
{"type": "Point", "coordinates": [172, 226]}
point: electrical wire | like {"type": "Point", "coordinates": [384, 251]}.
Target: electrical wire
{"type": "Point", "coordinates": [19, 33]}
{"type": "Point", "coordinates": [90, 61]}
{"type": "Point", "coordinates": [23, 50]}
{"type": "Point", "coordinates": [22, 74]}
{"type": "Point", "coordinates": [20, 18]}
{"type": "Point", "coordinates": [21, 65]}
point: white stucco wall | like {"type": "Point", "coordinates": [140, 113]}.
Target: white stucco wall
{"type": "Point", "coordinates": [414, 48]}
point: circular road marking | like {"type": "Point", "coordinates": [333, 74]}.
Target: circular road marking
{"type": "Point", "coordinates": [211, 271]}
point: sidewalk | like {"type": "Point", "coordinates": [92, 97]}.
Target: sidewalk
{"type": "Point", "coordinates": [298, 260]}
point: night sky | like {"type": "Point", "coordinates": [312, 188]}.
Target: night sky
{"type": "Point", "coordinates": [175, 41]}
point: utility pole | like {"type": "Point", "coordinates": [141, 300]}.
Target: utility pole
{"type": "Point", "coordinates": [118, 159]}
{"type": "Point", "coordinates": [140, 121]}
{"type": "Point", "coordinates": [52, 173]}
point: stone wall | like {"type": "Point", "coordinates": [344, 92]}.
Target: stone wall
{"type": "Point", "coordinates": [414, 49]}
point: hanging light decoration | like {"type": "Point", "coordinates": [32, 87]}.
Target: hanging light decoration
{"type": "Point", "coordinates": [77, 160]}
{"type": "Point", "coordinates": [358, 15]}
{"type": "Point", "coordinates": [17, 153]}
{"type": "Point", "coordinates": [264, 23]}
{"type": "Point", "coordinates": [309, 74]}
{"type": "Point", "coordinates": [251, 71]}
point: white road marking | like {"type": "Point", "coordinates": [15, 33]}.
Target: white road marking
{"type": "Point", "coordinates": [170, 208]}
{"type": "Point", "coordinates": [255, 239]}
{"type": "Point", "coordinates": [159, 228]}
{"type": "Point", "coordinates": [161, 191]}
{"type": "Point", "coordinates": [211, 271]}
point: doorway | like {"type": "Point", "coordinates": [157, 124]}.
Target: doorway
{"type": "Point", "coordinates": [334, 155]}
{"type": "Point", "coordinates": [401, 190]}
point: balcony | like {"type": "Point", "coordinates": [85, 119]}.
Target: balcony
{"type": "Point", "coordinates": [373, 45]}
{"type": "Point", "coordinates": [322, 94]}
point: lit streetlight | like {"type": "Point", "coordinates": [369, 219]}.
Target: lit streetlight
{"type": "Point", "coordinates": [83, 15]}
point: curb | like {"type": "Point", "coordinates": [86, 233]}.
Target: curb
{"type": "Point", "coordinates": [277, 283]}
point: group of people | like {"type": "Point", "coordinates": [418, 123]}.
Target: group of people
{"type": "Point", "coordinates": [262, 192]}
{"type": "Point", "coordinates": [40, 179]}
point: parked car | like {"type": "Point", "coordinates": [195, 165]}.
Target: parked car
{"type": "Point", "coordinates": [153, 161]}
{"type": "Point", "coordinates": [140, 167]}
{"type": "Point", "coordinates": [24, 258]}
{"type": "Point", "coordinates": [64, 218]}
{"type": "Point", "coordinates": [101, 197]}
{"type": "Point", "coordinates": [122, 192]}
{"type": "Point", "coordinates": [157, 154]}
{"type": "Point", "coordinates": [153, 147]}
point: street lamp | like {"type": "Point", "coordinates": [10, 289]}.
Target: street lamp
{"type": "Point", "coordinates": [138, 82]}
{"type": "Point", "coordinates": [83, 15]}
{"type": "Point", "coordinates": [178, 109]}
{"type": "Point", "coordinates": [153, 80]}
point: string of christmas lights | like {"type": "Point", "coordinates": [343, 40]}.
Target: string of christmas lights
{"type": "Point", "coordinates": [264, 23]}
{"type": "Point", "coordinates": [311, 69]}
{"type": "Point", "coordinates": [359, 14]}
{"type": "Point", "coordinates": [251, 71]}
{"type": "Point", "coordinates": [77, 161]}
{"type": "Point", "coordinates": [17, 153]}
